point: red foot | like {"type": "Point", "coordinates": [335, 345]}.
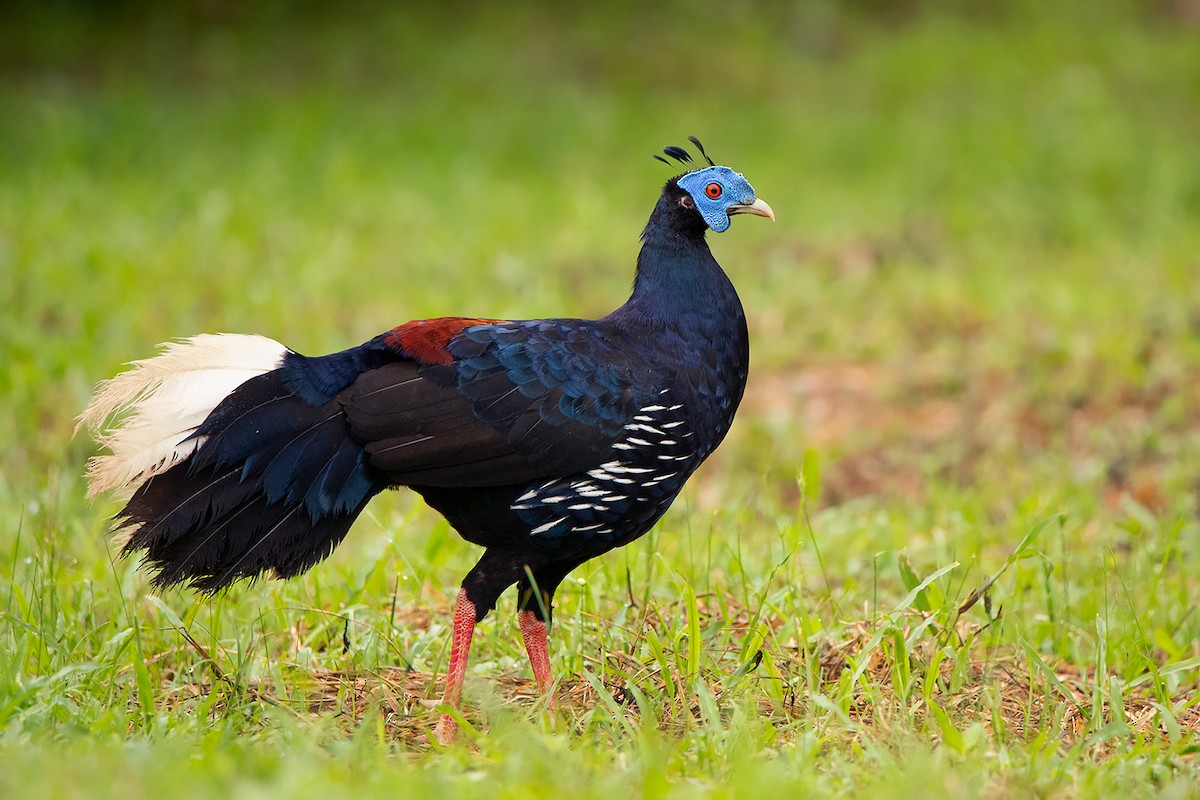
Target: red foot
{"type": "Point", "coordinates": [533, 631]}
{"type": "Point", "coordinates": [456, 672]}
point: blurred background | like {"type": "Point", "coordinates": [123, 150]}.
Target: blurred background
{"type": "Point", "coordinates": [986, 210]}
{"type": "Point", "coordinates": [979, 305]}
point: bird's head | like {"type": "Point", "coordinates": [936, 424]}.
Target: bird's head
{"type": "Point", "coordinates": [718, 193]}
{"type": "Point", "coordinates": [715, 192]}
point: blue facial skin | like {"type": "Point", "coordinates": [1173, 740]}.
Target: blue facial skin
{"type": "Point", "coordinates": [735, 191]}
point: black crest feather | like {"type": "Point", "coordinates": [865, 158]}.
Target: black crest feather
{"type": "Point", "coordinates": [700, 147]}
{"type": "Point", "coordinates": [679, 154]}
{"type": "Point", "coordinates": [683, 156]}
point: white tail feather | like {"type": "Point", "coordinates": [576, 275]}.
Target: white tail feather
{"type": "Point", "coordinates": [166, 398]}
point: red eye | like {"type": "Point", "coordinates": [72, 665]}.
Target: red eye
{"type": "Point", "coordinates": [713, 190]}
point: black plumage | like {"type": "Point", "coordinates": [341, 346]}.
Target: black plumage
{"type": "Point", "coordinates": [547, 442]}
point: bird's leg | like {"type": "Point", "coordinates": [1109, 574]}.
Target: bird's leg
{"type": "Point", "coordinates": [456, 672]}
{"type": "Point", "coordinates": [534, 604]}
{"type": "Point", "coordinates": [533, 615]}
{"type": "Point", "coordinates": [533, 631]}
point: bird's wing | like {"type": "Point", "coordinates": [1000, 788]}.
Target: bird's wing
{"type": "Point", "coordinates": [469, 402]}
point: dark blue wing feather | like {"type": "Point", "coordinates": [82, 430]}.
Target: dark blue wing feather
{"type": "Point", "coordinates": [581, 384]}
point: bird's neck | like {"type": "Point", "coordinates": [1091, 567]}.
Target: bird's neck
{"type": "Point", "coordinates": [678, 281]}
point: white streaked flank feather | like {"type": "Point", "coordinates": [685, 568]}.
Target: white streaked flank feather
{"type": "Point", "coordinates": [144, 414]}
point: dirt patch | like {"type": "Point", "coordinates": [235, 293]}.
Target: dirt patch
{"type": "Point", "coordinates": [889, 429]}
{"type": "Point", "coordinates": [1003, 690]}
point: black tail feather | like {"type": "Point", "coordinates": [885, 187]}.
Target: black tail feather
{"type": "Point", "coordinates": [178, 502]}
{"type": "Point", "coordinates": [274, 488]}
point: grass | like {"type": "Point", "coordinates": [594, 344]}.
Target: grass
{"type": "Point", "coordinates": [949, 549]}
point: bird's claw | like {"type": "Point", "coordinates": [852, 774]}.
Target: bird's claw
{"type": "Point", "coordinates": [446, 731]}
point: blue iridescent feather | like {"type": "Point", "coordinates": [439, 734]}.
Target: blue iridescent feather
{"type": "Point", "coordinates": [548, 442]}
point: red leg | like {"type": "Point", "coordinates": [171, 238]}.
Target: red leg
{"type": "Point", "coordinates": [456, 672]}
{"type": "Point", "coordinates": [533, 631]}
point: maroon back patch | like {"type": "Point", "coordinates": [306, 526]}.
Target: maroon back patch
{"type": "Point", "coordinates": [426, 340]}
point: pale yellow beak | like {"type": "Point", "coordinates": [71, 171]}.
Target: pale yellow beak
{"type": "Point", "coordinates": [758, 208]}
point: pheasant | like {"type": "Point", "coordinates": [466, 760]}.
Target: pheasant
{"type": "Point", "coordinates": [547, 442]}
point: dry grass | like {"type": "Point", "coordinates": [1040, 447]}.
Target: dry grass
{"type": "Point", "coordinates": [996, 688]}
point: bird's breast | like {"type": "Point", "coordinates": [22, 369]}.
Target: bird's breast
{"type": "Point", "coordinates": [690, 380]}
{"type": "Point", "coordinates": [623, 496]}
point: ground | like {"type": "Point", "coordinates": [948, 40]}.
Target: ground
{"type": "Point", "coordinates": [949, 548]}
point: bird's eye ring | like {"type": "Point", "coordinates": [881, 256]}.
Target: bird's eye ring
{"type": "Point", "coordinates": [713, 190]}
